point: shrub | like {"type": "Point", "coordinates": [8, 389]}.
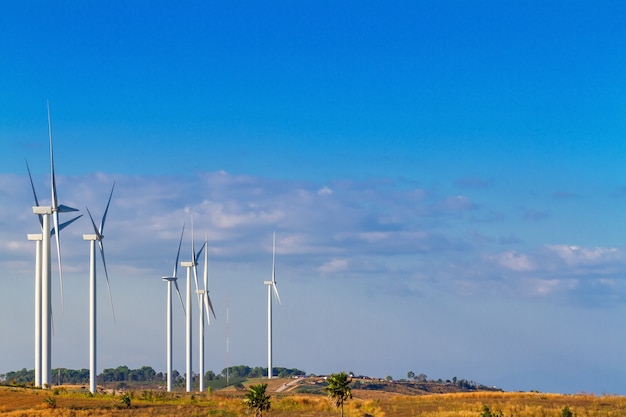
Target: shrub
{"type": "Point", "coordinates": [126, 400]}
{"type": "Point", "coordinates": [50, 402]}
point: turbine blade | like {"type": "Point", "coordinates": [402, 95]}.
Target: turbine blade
{"type": "Point", "coordinates": [178, 255]}
{"type": "Point", "coordinates": [193, 256]}
{"type": "Point", "coordinates": [106, 274]}
{"type": "Point", "coordinates": [180, 297]}
{"type": "Point", "coordinates": [195, 275]}
{"type": "Point", "coordinates": [34, 193]}
{"type": "Point", "coordinates": [52, 177]}
{"type": "Point", "coordinates": [276, 293]}
{"type": "Point", "coordinates": [207, 300]}
{"type": "Point", "coordinates": [104, 217]}
{"type": "Point", "coordinates": [195, 268]}
{"type": "Point", "coordinates": [274, 260]}
{"type": "Point", "coordinates": [199, 253]}
{"type": "Point", "coordinates": [55, 213]}
{"type": "Point", "coordinates": [206, 308]}
{"type": "Point", "coordinates": [55, 216]}
{"type": "Point", "coordinates": [95, 228]}
{"type": "Point", "coordinates": [67, 223]}
{"type": "Point", "coordinates": [65, 209]}
{"type": "Point", "coordinates": [206, 263]}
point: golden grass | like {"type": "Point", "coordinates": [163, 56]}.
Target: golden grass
{"type": "Point", "coordinates": [18, 402]}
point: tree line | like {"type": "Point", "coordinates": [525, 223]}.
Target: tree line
{"type": "Point", "coordinates": [145, 374]}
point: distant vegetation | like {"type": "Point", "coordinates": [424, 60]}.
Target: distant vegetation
{"type": "Point", "coordinates": [123, 376]}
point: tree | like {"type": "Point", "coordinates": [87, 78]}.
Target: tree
{"type": "Point", "coordinates": [338, 389]}
{"type": "Point", "coordinates": [257, 399]}
{"type": "Point", "coordinates": [410, 375]}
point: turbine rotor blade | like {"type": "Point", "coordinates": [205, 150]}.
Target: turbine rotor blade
{"type": "Point", "coordinates": [178, 255]}
{"type": "Point", "coordinates": [65, 209]}
{"type": "Point", "coordinates": [95, 228]}
{"type": "Point", "coordinates": [55, 213]}
{"type": "Point", "coordinates": [195, 275]}
{"type": "Point", "coordinates": [65, 224]}
{"type": "Point", "coordinates": [274, 260]}
{"type": "Point", "coordinates": [106, 274]}
{"type": "Point", "coordinates": [199, 253]}
{"type": "Point", "coordinates": [276, 293]}
{"type": "Point", "coordinates": [55, 216]}
{"type": "Point", "coordinates": [34, 193]}
{"type": "Point", "coordinates": [274, 269]}
{"type": "Point", "coordinates": [104, 216]}
{"type": "Point", "coordinates": [195, 267]}
{"type": "Point", "coordinates": [207, 301]}
{"type": "Point", "coordinates": [193, 257]}
{"type": "Point", "coordinates": [206, 263]}
{"type": "Point", "coordinates": [52, 177]}
{"type": "Point", "coordinates": [180, 297]}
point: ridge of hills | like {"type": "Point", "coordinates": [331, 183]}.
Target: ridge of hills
{"type": "Point", "coordinates": [290, 381]}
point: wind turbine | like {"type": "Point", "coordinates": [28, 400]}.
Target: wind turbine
{"type": "Point", "coordinates": [271, 285]}
{"type": "Point", "coordinates": [169, 281]}
{"type": "Point", "coordinates": [44, 213]}
{"type": "Point", "coordinates": [97, 236]}
{"type": "Point", "coordinates": [205, 302]}
{"type": "Point", "coordinates": [189, 265]}
{"type": "Point", "coordinates": [38, 238]}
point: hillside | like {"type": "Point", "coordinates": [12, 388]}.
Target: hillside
{"type": "Point", "coordinates": [76, 402]}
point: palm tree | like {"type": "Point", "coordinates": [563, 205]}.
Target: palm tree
{"type": "Point", "coordinates": [338, 389]}
{"type": "Point", "coordinates": [257, 399]}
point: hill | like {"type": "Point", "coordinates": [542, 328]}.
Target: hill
{"type": "Point", "coordinates": [76, 402]}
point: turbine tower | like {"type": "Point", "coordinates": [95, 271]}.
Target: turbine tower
{"type": "Point", "coordinates": [205, 304]}
{"type": "Point", "coordinates": [169, 281]}
{"type": "Point", "coordinates": [271, 285]}
{"type": "Point", "coordinates": [190, 265]}
{"type": "Point", "coordinates": [97, 236]}
{"type": "Point", "coordinates": [44, 319]}
{"type": "Point", "coordinates": [38, 238]}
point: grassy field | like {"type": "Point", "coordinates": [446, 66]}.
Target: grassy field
{"type": "Point", "coordinates": [74, 402]}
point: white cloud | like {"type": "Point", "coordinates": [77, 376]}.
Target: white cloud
{"type": "Point", "coordinates": [545, 287]}
{"type": "Point", "coordinates": [578, 256]}
{"type": "Point", "coordinates": [513, 260]}
{"type": "Point", "coordinates": [334, 265]}
{"type": "Point", "coordinates": [324, 191]}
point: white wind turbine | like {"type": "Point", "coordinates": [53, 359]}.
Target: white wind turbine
{"type": "Point", "coordinates": [44, 213]}
{"type": "Point", "coordinates": [190, 265]}
{"type": "Point", "coordinates": [38, 238]}
{"type": "Point", "coordinates": [205, 304]}
{"type": "Point", "coordinates": [169, 281]}
{"type": "Point", "coordinates": [271, 285]}
{"type": "Point", "coordinates": [97, 236]}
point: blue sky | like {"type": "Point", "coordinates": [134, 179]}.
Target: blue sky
{"type": "Point", "coordinates": [449, 176]}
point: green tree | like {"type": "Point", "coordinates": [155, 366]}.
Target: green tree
{"type": "Point", "coordinates": [566, 412]}
{"type": "Point", "coordinates": [257, 399]}
{"type": "Point", "coordinates": [410, 375]}
{"type": "Point", "coordinates": [338, 389]}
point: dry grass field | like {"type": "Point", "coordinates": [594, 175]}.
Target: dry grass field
{"type": "Point", "coordinates": [70, 402]}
